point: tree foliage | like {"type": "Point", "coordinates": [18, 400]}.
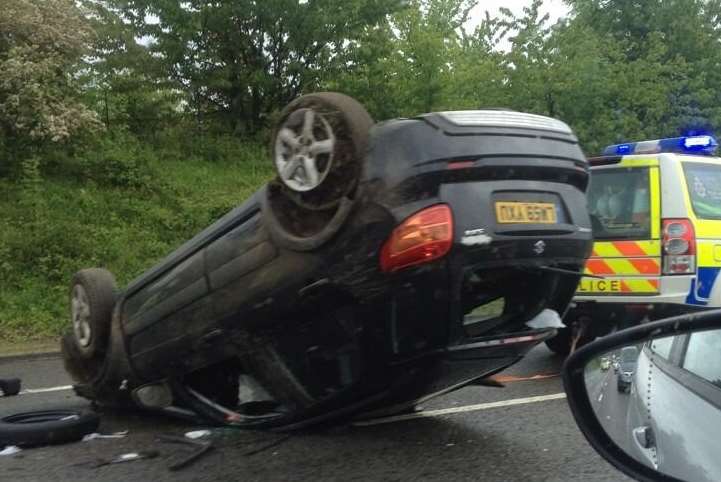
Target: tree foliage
{"type": "Point", "coordinates": [205, 70]}
{"type": "Point", "coordinates": [246, 58]}
{"type": "Point", "coordinates": [41, 46]}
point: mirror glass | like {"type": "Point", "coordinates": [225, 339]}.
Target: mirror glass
{"type": "Point", "coordinates": [660, 402]}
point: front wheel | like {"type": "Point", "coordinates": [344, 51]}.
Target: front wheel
{"type": "Point", "coordinates": [92, 299]}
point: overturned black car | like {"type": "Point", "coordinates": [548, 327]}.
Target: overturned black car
{"type": "Point", "coordinates": [386, 263]}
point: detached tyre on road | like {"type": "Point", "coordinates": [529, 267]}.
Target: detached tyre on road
{"type": "Point", "coordinates": [92, 298]}
{"type": "Point", "coordinates": [47, 427]}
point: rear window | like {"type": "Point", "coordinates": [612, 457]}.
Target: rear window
{"type": "Point", "coordinates": [704, 187]}
{"type": "Point", "coordinates": [629, 354]}
{"type": "Point", "coordinates": [619, 201]}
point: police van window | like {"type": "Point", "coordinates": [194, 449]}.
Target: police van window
{"type": "Point", "coordinates": [704, 187]}
{"type": "Point", "coordinates": [703, 356]}
{"type": "Point", "coordinates": [619, 201]}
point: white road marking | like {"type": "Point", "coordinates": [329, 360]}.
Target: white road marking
{"type": "Point", "coordinates": [466, 408]}
{"type": "Point", "coordinates": [395, 418]}
{"type": "Point", "coordinates": [32, 391]}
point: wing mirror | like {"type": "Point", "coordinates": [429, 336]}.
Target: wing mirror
{"type": "Point", "coordinates": [648, 399]}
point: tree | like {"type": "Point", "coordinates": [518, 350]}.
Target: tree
{"type": "Point", "coordinates": [416, 61]}
{"type": "Point", "coordinates": [668, 51]}
{"type": "Point", "coordinates": [245, 58]}
{"type": "Point", "coordinates": [42, 43]}
{"type": "Point", "coordinates": [123, 82]}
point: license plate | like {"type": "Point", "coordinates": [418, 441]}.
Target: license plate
{"type": "Point", "coordinates": [600, 286]}
{"type": "Point", "coordinates": [529, 213]}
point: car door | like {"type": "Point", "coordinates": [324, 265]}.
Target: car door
{"type": "Point", "coordinates": [703, 200]}
{"type": "Point", "coordinates": [685, 374]}
{"type": "Point", "coordinates": [625, 213]}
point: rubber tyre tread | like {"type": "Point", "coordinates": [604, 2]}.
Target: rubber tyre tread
{"type": "Point", "coordinates": [298, 243]}
{"type": "Point", "coordinates": [102, 291]}
{"type": "Point", "coordinates": [46, 427]}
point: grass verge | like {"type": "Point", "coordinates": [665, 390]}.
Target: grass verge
{"type": "Point", "coordinates": [66, 221]}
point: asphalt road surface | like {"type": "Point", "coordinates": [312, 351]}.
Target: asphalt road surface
{"type": "Point", "coordinates": [611, 406]}
{"type": "Point", "coordinates": [523, 432]}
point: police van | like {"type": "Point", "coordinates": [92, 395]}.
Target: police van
{"type": "Point", "coordinates": [655, 210]}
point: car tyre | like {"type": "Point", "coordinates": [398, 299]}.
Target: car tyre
{"type": "Point", "coordinates": [93, 293]}
{"type": "Point", "coordinates": [318, 147]}
{"type": "Point", "coordinates": [47, 427]}
{"type": "Point", "coordinates": [303, 211]}
{"type": "Point", "coordinates": [561, 343]}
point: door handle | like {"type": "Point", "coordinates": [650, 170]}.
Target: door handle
{"type": "Point", "coordinates": [645, 437]}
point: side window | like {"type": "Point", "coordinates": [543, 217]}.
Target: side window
{"type": "Point", "coordinates": [703, 356]}
{"type": "Point", "coordinates": [619, 203]}
{"type": "Point", "coordinates": [662, 346]}
{"type": "Point", "coordinates": [704, 188]}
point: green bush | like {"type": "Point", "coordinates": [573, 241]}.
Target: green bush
{"type": "Point", "coordinates": [115, 160]}
{"type": "Point", "coordinates": [121, 205]}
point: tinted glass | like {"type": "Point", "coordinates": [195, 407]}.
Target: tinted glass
{"type": "Point", "coordinates": [619, 203]}
{"type": "Point", "coordinates": [703, 356]}
{"type": "Point", "coordinates": [704, 187]}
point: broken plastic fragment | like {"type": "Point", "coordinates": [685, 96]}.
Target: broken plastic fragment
{"type": "Point", "coordinates": [546, 319]}
{"type": "Point", "coordinates": [93, 436]}
{"type": "Point", "coordinates": [10, 450]}
{"type": "Point", "coordinates": [129, 457]}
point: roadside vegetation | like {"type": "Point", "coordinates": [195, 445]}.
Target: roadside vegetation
{"type": "Point", "coordinates": [126, 126]}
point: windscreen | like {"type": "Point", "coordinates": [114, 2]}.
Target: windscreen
{"type": "Point", "coordinates": [704, 187]}
{"type": "Point", "coordinates": [619, 203]}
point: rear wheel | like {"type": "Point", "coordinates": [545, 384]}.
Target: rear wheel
{"type": "Point", "coordinates": [318, 148]}
{"type": "Point", "coordinates": [318, 151]}
{"type": "Point", "coordinates": [92, 299]}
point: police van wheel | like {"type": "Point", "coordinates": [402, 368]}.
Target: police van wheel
{"type": "Point", "coordinates": [561, 343]}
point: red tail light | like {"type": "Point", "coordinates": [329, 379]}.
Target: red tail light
{"type": "Point", "coordinates": [679, 247]}
{"type": "Point", "coordinates": [423, 237]}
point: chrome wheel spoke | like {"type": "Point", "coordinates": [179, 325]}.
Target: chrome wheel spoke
{"type": "Point", "coordinates": [322, 147]}
{"type": "Point", "coordinates": [290, 168]}
{"type": "Point", "coordinates": [289, 138]}
{"type": "Point", "coordinates": [308, 123]}
{"type": "Point", "coordinates": [311, 171]}
{"type": "Point", "coordinates": [80, 312]}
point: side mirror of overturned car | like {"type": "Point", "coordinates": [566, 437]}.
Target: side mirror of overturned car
{"type": "Point", "coordinates": [658, 417]}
